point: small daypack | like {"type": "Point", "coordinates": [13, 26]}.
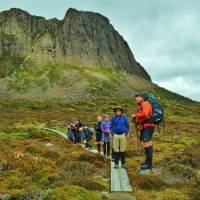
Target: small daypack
{"type": "Point", "coordinates": [158, 112]}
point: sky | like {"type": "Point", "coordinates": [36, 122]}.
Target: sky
{"type": "Point", "coordinates": [163, 35]}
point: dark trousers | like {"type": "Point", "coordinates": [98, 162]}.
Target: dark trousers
{"type": "Point", "coordinates": [118, 156]}
{"type": "Point", "coordinates": [77, 136]}
{"type": "Point", "coordinates": [106, 148]}
{"type": "Point", "coordinates": [87, 145]}
{"type": "Point", "coordinates": [71, 135]}
{"type": "Point", "coordinates": [113, 154]}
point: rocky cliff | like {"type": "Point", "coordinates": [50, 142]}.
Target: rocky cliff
{"type": "Point", "coordinates": [84, 39]}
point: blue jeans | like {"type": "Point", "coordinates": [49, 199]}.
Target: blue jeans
{"type": "Point", "coordinates": [71, 135]}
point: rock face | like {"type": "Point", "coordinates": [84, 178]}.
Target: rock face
{"type": "Point", "coordinates": [81, 38]}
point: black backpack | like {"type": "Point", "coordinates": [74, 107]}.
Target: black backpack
{"type": "Point", "coordinates": [158, 112]}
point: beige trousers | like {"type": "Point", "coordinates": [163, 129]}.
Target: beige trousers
{"type": "Point", "coordinates": [119, 143]}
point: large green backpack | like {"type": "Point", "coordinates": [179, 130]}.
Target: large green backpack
{"type": "Point", "coordinates": [158, 112]}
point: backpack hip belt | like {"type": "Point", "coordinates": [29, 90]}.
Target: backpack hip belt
{"type": "Point", "coordinates": [146, 124]}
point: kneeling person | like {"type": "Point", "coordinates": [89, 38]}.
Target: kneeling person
{"type": "Point", "coordinates": [86, 136]}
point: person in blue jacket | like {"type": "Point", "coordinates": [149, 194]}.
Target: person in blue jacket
{"type": "Point", "coordinates": [119, 128]}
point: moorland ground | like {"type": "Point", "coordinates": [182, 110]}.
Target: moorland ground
{"type": "Point", "coordinates": [38, 164]}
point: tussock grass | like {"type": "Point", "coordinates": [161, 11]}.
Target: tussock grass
{"type": "Point", "coordinates": [148, 182]}
{"type": "Point", "coordinates": [30, 168]}
{"type": "Point", "coordinates": [76, 169]}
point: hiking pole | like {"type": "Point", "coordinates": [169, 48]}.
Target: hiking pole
{"type": "Point", "coordinates": [111, 141]}
{"type": "Point", "coordinates": [137, 135]}
{"type": "Point", "coordinates": [106, 150]}
{"type": "Point", "coordinates": [132, 139]}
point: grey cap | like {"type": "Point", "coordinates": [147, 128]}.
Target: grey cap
{"type": "Point", "coordinates": [139, 95]}
{"type": "Point", "coordinates": [118, 108]}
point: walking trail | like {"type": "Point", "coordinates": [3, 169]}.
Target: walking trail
{"type": "Point", "coordinates": [120, 186]}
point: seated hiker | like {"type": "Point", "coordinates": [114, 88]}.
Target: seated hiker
{"type": "Point", "coordinates": [119, 128]}
{"type": "Point", "coordinates": [146, 129]}
{"type": "Point", "coordinates": [98, 133]}
{"type": "Point", "coordinates": [71, 133]}
{"type": "Point", "coordinates": [105, 127]}
{"type": "Point", "coordinates": [77, 126]}
{"type": "Point", "coordinates": [86, 136]}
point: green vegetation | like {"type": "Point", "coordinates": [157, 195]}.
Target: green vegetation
{"type": "Point", "coordinates": [73, 82]}
{"type": "Point", "coordinates": [9, 64]}
{"type": "Point", "coordinates": [30, 168]}
{"type": "Point", "coordinates": [70, 193]}
{"type": "Point", "coordinates": [19, 135]}
{"type": "Point", "coordinates": [62, 75]}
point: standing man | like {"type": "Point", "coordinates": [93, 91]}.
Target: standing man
{"type": "Point", "coordinates": [142, 119]}
{"type": "Point", "coordinates": [119, 128]}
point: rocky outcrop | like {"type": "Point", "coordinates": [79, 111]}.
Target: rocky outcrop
{"type": "Point", "coordinates": [81, 38]}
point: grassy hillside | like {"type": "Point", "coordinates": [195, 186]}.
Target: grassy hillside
{"type": "Point", "coordinates": [68, 82]}
{"type": "Point", "coordinates": [40, 165]}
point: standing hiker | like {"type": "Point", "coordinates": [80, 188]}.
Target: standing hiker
{"type": "Point", "coordinates": [105, 127]}
{"type": "Point", "coordinates": [146, 128]}
{"type": "Point", "coordinates": [119, 128]}
{"type": "Point", "coordinates": [98, 133]}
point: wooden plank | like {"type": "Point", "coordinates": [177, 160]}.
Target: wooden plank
{"type": "Point", "coordinates": [119, 179]}
{"type": "Point", "coordinates": [125, 185]}
{"type": "Point", "coordinates": [92, 150]}
{"type": "Point", "coordinates": [115, 179]}
{"type": "Point", "coordinates": [56, 131]}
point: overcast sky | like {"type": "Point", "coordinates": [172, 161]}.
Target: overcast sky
{"type": "Point", "coordinates": [164, 35]}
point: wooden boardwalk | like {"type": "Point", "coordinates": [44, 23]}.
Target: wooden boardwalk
{"type": "Point", "coordinates": [56, 131]}
{"type": "Point", "coordinates": [119, 177]}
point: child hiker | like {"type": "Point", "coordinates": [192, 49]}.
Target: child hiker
{"type": "Point", "coordinates": [105, 127]}
{"type": "Point", "coordinates": [99, 133]}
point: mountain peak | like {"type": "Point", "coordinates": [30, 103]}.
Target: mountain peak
{"type": "Point", "coordinates": [82, 38]}
{"type": "Point", "coordinates": [72, 12]}
{"type": "Point", "coordinates": [17, 11]}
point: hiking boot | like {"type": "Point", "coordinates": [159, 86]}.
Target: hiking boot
{"type": "Point", "coordinates": [145, 167]}
{"type": "Point", "coordinates": [116, 166]}
{"type": "Point", "coordinates": [122, 155]}
{"type": "Point", "coordinates": [143, 164]}
{"type": "Point", "coordinates": [116, 158]}
{"type": "Point", "coordinates": [145, 172]}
